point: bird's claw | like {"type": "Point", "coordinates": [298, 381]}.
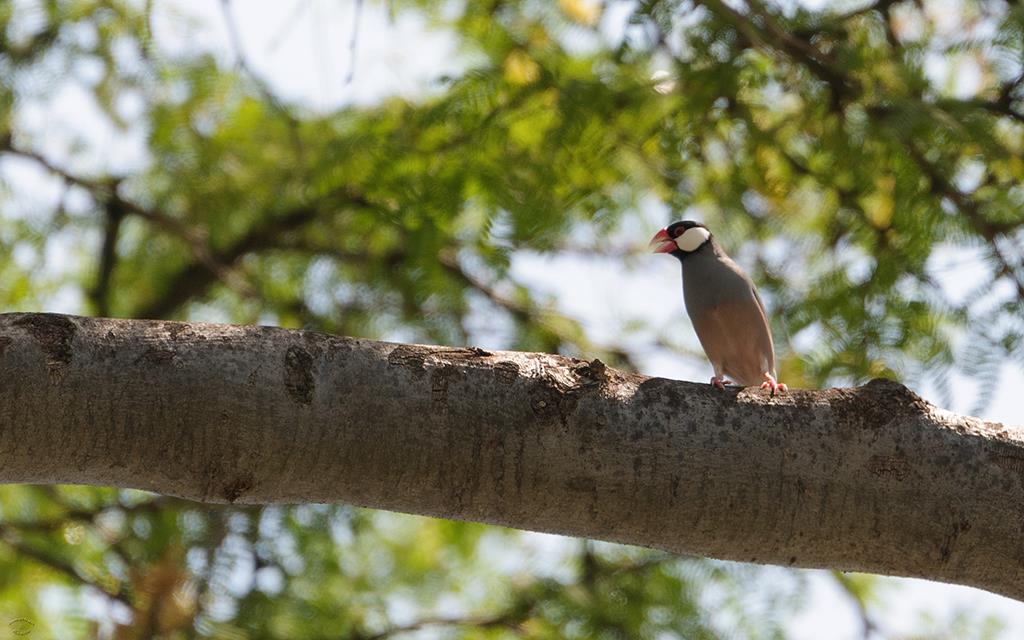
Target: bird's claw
{"type": "Point", "coordinates": [771, 384]}
{"type": "Point", "coordinates": [719, 382]}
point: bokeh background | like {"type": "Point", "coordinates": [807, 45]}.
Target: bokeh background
{"type": "Point", "coordinates": [489, 173]}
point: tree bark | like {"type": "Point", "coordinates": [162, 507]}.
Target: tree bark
{"type": "Point", "coordinates": [867, 479]}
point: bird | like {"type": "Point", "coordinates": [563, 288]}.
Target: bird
{"type": "Point", "coordinates": [723, 304]}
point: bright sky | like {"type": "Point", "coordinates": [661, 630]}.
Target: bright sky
{"type": "Point", "coordinates": [302, 48]}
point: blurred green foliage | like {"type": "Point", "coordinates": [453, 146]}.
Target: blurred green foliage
{"type": "Point", "coordinates": [855, 156]}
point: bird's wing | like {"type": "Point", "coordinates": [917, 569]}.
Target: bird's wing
{"type": "Point", "coordinates": [736, 338]}
{"type": "Point", "coordinates": [767, 337]}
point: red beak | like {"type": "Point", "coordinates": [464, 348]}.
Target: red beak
{"type": "Point", "coordinates": [663, 243]}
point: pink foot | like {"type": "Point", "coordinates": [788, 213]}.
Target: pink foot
{"type": "Point", "coordinates": [719, 382]}
{"type": "Point", "coordinates": [771, 384]}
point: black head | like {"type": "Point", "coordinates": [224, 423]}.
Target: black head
{"type": "Point", "coordinates": [682, 238]}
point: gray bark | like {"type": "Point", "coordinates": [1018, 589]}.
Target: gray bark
{"type": "Point", "coordinates": [868, 479]}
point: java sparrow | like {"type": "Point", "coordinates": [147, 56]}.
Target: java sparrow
{"type": "Point", "coordinates": [724, 306]}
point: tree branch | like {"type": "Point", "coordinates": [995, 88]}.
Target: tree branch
{"type": "Point", "coordinates": [510, 620]}
{"type": "Point", "coordinates": [774, 37]}
{"type": "Point", "coordinates": [353, 43]}
{"type": "Point", "coordinates": [207, 268]}
{"type": "Point", "coordinates": [100, 293]}
{"type": "Point", "coordinates": [218, 264]}
{"type": "Point", "coordinates": [261, 85]}
{"type": "Point", "coordinates": [867, 479]}
{"type": "Point", "coordinates": [868, 626]}
{"type": "Point", "coordinates": [59, 565]}
{"type": "Point", "coordinates": [969, 208]}
{"type": "Point", "coordinates": [549, 321]}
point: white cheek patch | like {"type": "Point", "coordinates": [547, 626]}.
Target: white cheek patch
{"type": "Point", "coordinates": [692, 238]}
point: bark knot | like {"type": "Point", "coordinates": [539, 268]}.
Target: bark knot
{"type": "Point", "coordinates": [558, 396]}
{"type": "Point", "coordinates": [908, 401]}
{"type": "Point", "coordinates": [405, 355]}
{"type": "Point", "coordinates": [156, 355]}
{"type": "Point", "coordinates": [238, 487]}
{"type": "Point", "coordinates": [298, 375]}
{"type": "Point", "coordinates": [177, 329]}
{"type": "Point", "coordinates": [876, 404]}
{"type": "Point", "coordinates": [593, 372]}
{"type": "Point", "coordinates": [54, 333]}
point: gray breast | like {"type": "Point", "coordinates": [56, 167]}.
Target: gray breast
{"type": "Point", "coordinates": [710, 280]}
